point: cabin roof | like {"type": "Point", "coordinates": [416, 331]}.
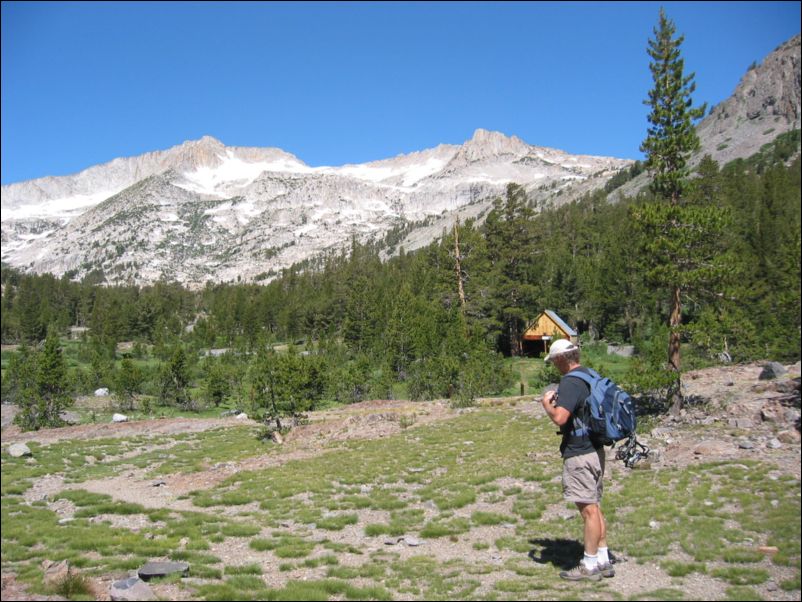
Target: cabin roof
{"type": "Point", "coordinates": [559, 322]}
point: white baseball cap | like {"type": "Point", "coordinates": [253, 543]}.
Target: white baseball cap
{"type": "Point", "coordinates": [559, 347]}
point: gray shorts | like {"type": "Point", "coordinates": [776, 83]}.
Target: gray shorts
{"type": "Point", "coordinates": [582, 478]}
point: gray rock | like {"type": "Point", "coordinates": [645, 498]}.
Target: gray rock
{"type": "Point", "coordinates": [773, 411]}
{"type": "Point", "coordinates": [746, 445]}
{"type": "Point", "coordinates": [119, 418]}
{"type": "Point", "coordinates": [792, 385]}
{"type": "Point", "coordinates": [55, 572]}
{"type": "Point", "coordinates": [131, 589]}
{"type": "Point", "coordinates": [790, 436]}
{"type": "Point", "coordinates": [622, 350]}
{"type": "Point", "coordinates": [162, 569]}
{"type": "Point", "coordinates": [70, 417]}
{"type": "Point", "coordinates": [772, 370]}
{"type": "Point", "coordinates": [774, 444]}
{"type": "Point", "coordinates": [18, 450]}
{"type": "Point", "coordinates": [413, 542]}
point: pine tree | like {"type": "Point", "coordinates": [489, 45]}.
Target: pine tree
{"type": "Point", "coordinates": [175, 381]}
{"type": "Point", "coordinates": [511, 248]}
{"type": "Point", "coordinates": [668, 146]}
{"type": "Point", "coordinates": [127, 383]}
{"type": "Point", "coordinates": [39, 385]}
{"type": "Point", "coordinates": [672, 136]}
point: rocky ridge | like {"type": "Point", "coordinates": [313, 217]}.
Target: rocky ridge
{"type": "Point", "coordinates": [766, 103]}
{"type": "Point", "coordinates": [203, 211]}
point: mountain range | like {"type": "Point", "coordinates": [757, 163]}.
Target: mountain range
{"type": "Point", "coordinates": [203, 211]}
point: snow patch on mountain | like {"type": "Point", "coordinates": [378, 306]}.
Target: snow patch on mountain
{"type": "Point", "coordinates": [233, 172]}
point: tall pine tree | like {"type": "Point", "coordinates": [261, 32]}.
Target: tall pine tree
{"type": "Point", "coordinates": [673, 229]}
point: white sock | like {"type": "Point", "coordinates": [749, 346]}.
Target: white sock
{"type": "Point", "coordinates": [602, 556]}
{"type": "Point", "coordinates": [589, 561]}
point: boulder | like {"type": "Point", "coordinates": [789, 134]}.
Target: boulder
{"type": "Point", "coordinates": [772, 411]}
{"type": "Point", "coordinates": [70, 417]}
{"type": "Point", "coordinates": [101, 392]}
{"type": "Point", "coordinates": [119, 418]}
{"type": "Point", "coordinates": [18, 450]}
{"type": "Point", "coordinates": [131, 589]}
{"type": "Point", "coordinates": [792, 385]}
{"type": "Point", "coordinates": [162, 569]}
{"type": "Point", "coordinates": [55, 572]}
{"type": "Point", "coordinates": [772, 370]}
{"type": "Point", "coordinates": [790, 436]}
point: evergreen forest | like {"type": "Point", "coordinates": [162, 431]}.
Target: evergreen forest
{"type": "Point", "coordinates": [441, 322]}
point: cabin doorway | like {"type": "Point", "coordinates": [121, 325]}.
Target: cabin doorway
{"type": "Point", "coordinates": [535, 346]}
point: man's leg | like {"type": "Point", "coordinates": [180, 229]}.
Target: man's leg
{"type": "Point", "coordinates": [595, 531]}
{"type": "Point", "coordinates": [588, 567]}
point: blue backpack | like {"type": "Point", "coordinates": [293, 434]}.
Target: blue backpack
{"type": "Point", "coordinates": [608, 414]}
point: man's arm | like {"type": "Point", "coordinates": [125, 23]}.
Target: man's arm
{"type": "Point", "coordinates": [558, 415]}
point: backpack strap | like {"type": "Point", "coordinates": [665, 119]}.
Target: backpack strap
{"type": "Point", "coordinates": [588, 378]}
{"type": "Point", "coordinates": [582, 429]}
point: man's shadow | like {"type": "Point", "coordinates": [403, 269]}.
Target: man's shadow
{"type": "Point", "coordinates": [562, 553]}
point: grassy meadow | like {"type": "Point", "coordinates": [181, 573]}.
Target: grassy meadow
{"type": "Point", "coordinates": [480, 492]}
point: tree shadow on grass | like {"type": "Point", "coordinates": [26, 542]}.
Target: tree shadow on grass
{"type": "Point", "coordinates": [562, 553]}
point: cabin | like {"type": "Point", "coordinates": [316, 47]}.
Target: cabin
{"type": "Point", "coordinates": [543, 330]}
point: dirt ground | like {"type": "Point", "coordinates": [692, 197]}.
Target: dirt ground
{"type": "Point", "coordinates": [724, 396]}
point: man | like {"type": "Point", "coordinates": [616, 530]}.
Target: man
{"type": "Point", "coordinates": [583, 462]}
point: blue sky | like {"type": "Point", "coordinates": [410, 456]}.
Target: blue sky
{"type": "Point", "coordinates": [339, 82]}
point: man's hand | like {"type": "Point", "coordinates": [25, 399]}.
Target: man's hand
{"type": "Point", "coordinates": [558, 415]}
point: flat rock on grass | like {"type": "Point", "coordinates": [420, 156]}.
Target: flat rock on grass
{"type": "Point", "coordinates": [132, 588]}
{"type": "Point", "coordinates": [162, 569]}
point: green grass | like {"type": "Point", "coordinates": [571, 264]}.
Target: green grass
{"type": "Point", "coordinates": [741, 576]}
{"type": "Point", "coordinates": [425, 482]}
{"type": "Point", "coordinates": [742, 593]}
{"type": "Point", "coordinates": [490, 518]}
{"type": "Point", "coordinates": [681, 569]}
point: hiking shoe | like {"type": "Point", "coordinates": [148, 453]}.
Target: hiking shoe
{"type": "Point", "coordinates": [581, 573]}
{"type": "Point", "coordinates": [606, 569]}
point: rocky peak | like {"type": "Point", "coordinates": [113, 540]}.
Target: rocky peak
{"type": "Point", "coordinates": [192, 154]}
{"type": "Point", "coordinates": [765, 103]}
{"type": "Point", "coordinates": [487, 145]}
